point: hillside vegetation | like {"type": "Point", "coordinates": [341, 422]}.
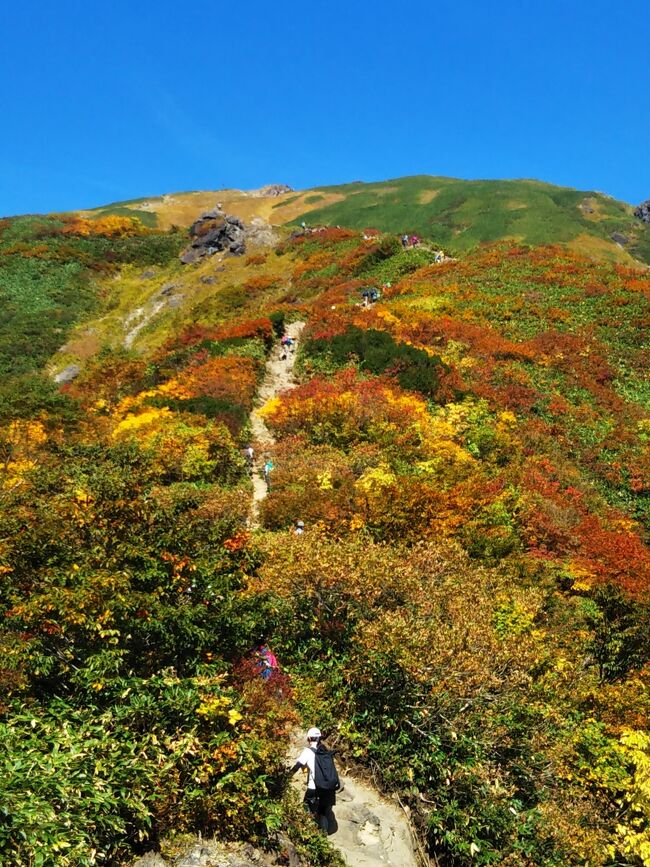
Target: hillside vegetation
{"type": "Point", "coordinates": [456, 214]}
{"type": "Point", "coordinates": [467, 613]}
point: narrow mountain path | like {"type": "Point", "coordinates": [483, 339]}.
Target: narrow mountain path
{"type": "Point", "coordinates": [278, 377]}
{"type": "Point", "coordinates": [369, 830]}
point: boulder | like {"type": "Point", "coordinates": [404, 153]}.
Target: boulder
{"type": "Point", "coordinates": [68, 373]}
{"type": "Point", "coordinates": [620, 239]}
{"type": "Point", "coordinates": [215, 232]}
{"type": "Point", "coordinates": [151, 859]}
{"type": "Point", "coordinates": [643, 211]}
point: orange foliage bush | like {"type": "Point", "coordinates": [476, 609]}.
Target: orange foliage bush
{"type": "Point", "coordinates": [111, 226]}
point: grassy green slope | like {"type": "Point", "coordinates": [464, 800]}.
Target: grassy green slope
{"type": "Point", "coordinates": [461, 214]}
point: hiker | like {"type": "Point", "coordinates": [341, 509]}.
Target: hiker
{"type": "Point", "coordinates": [322, 778]}
{"type": "Point", "coordinates": [374, 296]}
{"type": "Point", "coordinates": [250, 457]}
{"type": "Point", "coordinates": [366, 297]}
{"type": "Point", "coordinates": [405, 241]}
{"type": "Point", "coordinates": [267, 470]}
{"type": "Point", "coordinates": [266, 660]}
{"type": "Point", "coordinates": [300, 528]}
{"type": "Point", "coordinates": [414, 240]}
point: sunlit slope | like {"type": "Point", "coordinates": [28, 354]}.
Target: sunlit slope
{"type": "Point", "coordinates": [457, 214]}
{"type": "Point", "coordinates": [181, 209]}
{"type": "Point", "coordinates": [463, 214]}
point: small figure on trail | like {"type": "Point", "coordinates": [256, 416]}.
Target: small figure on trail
{"type": "Point", "coordinates": [322, 778]}
{"type": "Point", "coordinates": [405, 241]}
{"type": "Point", "coordinates": [366, 297]}
{"type": "Point", "coordinates": [266, 660]}
{"type": "Point", "coordinates": [287, 344]}
{"type": "Point", "coordinates": [267, 470]}
{"type": "Point", "coordinates": [374, 296]}
{"type": "Point", "coordinates": [250, 457]}
{"type": "Point", "coordinates": [303, 226]}
{"type": "Point", "coordinates": [300, 528]}
{"type": "Point", "coordinates": [414, 241]}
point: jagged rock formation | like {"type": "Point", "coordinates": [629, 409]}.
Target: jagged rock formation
{"type": "Point", "coordinates": [643, 211]}
{"type": "Point", "coordinates": [271, 190]}
{"type": "Point", "coordinates": [215, 232]}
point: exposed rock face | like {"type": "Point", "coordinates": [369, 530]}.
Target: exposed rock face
{"type": "Point", "coordinates": [215, 232]}
{"type": "Point", "coordinates": [620, 239]}
{"type": "Point", "coordinates": [260, 233]}
{"type": "Point", "coordinates": [272, 190]}
{"type": "Point", "coordinates": [643, 211]}
{"type": "Point", "coordinates": [211, 853]}
{"type": "Point", "coordinates": [68, 373]}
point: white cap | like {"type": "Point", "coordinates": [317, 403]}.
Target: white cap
{"type": "Point", "coordinates": [313, 733]}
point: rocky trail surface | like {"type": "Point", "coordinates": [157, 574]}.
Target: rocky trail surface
{"type": "Point", "coordinates": [279, 377]}
{"type": "Point", "coordinates": [368, 829]}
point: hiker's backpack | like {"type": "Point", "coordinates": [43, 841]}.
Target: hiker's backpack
{"type": "Point", "coordinates": [325, 773]}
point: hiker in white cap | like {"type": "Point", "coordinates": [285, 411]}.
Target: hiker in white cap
{"type": "Point", "coordinates": [322, 778]}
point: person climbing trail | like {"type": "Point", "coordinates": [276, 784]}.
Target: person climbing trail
{"type": "Point", "coordinates": [266, 471]}
{"type": "Point", "coordinates": [299, 528]}
{"type": "Point", "coordinates": [249, 453]}
{"type": "Point", "coordinates": [265, 660]}
{"type": "Point", "coordinates": [322, 779]}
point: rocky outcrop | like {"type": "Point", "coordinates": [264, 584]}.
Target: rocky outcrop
{"type": "Point", "coordinates": [68, 373]}
{"type": "Point", "coordinates": [618, 238]}
{"type": "Point", "coordinates": [212, 853]}
{"type": "Point", "coordinates": [215, 232]}
{"type": "Point", "coordinates": [271, 190]}
{"type": "Point", "coordinates": [259, 233]}
{"type": "Point", "coordinates": [643, 211]}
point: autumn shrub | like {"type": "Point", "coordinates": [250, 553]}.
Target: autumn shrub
{"type": "Point", "coordinates": [378, 352]}
{"type": "Point", "coordinates": [349, 409]}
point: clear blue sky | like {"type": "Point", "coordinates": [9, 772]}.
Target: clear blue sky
{"type": "Point", "coordinates": [126, 98]}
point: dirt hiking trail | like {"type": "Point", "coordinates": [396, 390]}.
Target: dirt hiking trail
{"type": "Point", "coordinates": [278, 377]}
{"type": "Point", "coordinates": [369, 830]}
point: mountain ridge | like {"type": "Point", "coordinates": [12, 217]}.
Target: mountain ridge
{"type": "Point", "coordinates": [456, 213]}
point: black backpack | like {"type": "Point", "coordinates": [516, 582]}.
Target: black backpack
{"type": "Point", "coordinates": [326, 775]}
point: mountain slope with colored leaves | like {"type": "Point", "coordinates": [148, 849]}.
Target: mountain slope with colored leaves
{"type": "Point", "coordinates": [467, 614]}
{"type": "Point", "coordinates": [453, 213]}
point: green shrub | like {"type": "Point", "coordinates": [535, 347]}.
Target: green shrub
{"type": "Point", "coordinates": [378, 352]}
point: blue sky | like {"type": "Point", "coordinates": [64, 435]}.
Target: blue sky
{"type": "Point", "coordinates": [121, 99]}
